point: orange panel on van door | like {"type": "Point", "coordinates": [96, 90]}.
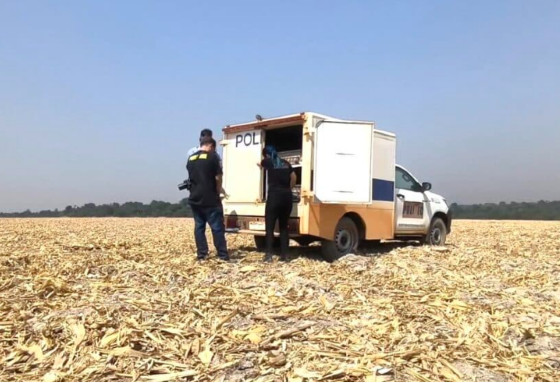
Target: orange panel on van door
{"type": "Point", "coordinates": [323, 218]}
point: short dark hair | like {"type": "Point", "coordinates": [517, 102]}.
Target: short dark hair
{"type": "Point", "coordinates": [208, 141]}
{"type": "Point", "coordinates": [205, 133]}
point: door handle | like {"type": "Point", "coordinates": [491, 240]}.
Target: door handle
{"type": "Point", "coordinates": [401, 196]}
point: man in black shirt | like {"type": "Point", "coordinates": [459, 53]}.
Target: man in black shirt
{"type": "Point", "coordinates": [205, 174]}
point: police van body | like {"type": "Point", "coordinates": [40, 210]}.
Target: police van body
{"type": "Point", "coordinates": [349, 188]}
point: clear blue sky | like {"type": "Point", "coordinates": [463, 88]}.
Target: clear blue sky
{"type": "Point", "coordinates": [100, 100]}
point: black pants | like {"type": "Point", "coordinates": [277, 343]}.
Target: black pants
{"type": "Point", "coordinates": [278, 207]}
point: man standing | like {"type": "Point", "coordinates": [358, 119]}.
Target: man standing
{"type": "Point", "coordinates": [203, 133]}
{"type": "Point", "coordinates": [205, 174]}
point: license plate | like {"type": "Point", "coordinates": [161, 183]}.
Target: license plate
{"type": "Point", "coordinates": [260, 226]}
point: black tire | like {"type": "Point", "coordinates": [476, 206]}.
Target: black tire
{"type": "Point", "coordinates": [437, 234]}
{"type": "Point", "coordinates": [260, 243]}
{"type": "Point", "coordinates": [346, 240]}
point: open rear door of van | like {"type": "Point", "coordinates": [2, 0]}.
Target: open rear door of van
{"type": "Point", "coordinates": [242, 176]}
{"type": "Point", "coordinates": [342, 168]}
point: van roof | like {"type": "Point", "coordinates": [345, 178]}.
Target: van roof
{"type": "Point", "coordinates": [282, 120]}
{"type": "Point", "coordinates": [279, 121]}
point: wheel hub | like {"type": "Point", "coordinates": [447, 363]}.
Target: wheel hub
{"type": "Point", "coordinates": [344, 241]}
{"type": "Point", "coordinates": [436, 235]}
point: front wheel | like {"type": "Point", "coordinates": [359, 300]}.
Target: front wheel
{"type": "Point", "coordinates": [346, 240]}
{"type": "Point", "coordinates": [437, 234]}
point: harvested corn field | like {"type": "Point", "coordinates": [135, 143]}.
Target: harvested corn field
{"type": "Point", "coordinates": [124, 299]}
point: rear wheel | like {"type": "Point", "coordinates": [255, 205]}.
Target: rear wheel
{"type": "Point", "coordinates": [437, 234]}
{"type": "Point", "coordinates": [346, 240]}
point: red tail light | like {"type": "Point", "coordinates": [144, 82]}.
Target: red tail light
{"type": "Point", "coordinates": [231, 222]}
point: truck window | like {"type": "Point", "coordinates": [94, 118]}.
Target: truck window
{"type": "Point", "coordinates": [403, 180]}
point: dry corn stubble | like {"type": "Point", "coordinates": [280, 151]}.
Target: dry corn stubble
{"type": "Point", "coordinates": [124, 299]}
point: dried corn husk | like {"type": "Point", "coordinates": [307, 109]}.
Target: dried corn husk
{"type": "Point", "coordinates": [124, 299]}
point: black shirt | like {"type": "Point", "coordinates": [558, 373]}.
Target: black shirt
{"type": "Point", "coordinates": [203, 167]}
{"type": "Point", "coordinates": [279, 178]}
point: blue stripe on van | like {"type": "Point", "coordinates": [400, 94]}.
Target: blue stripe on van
{"type": "Point", "coordinates": [383, 190]}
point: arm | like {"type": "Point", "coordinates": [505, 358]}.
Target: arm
{"type": "Point", "coordinates": [264, 164]}
{"type": "Point", "coordinates": [219, 188]}
{"type": "Point", "coordinates": [219, 159]}
{"type": "Point", "coordinates": [219, 173]}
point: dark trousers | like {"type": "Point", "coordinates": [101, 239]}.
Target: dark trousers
{"type": "Point", "coordinates": [278, 208]}
{"type": "Point", "coordinates": [214, 216]}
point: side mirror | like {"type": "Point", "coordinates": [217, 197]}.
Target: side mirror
{"type": "Point", "coordinates": [426, 186]}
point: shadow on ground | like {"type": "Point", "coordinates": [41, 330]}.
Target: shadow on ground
{"type": "Point", "coordinates": [367, 249]}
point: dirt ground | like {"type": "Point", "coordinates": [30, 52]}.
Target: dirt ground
{"type": "Point", "coordinates": [124, 299]}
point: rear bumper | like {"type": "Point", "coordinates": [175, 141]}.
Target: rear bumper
{"type": "Point", "coordinates": [244, 224]}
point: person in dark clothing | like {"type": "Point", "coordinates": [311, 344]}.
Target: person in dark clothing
{"type": "Point", "coordinates": [281, 180]}
{"type": "Point", "coordinates": [203, 133]}
{"type": "Point", "coordinates": [205, 174]}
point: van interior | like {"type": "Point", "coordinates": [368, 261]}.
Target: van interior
{"type": "Point", "coordinates": [288, 142]}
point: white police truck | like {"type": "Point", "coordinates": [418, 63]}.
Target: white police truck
{"type": "Point", "coordinates": [348, 190]}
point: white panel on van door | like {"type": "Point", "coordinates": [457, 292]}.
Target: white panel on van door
{"type": "Point", "coordinates": [342, 171]}
{"type": "Point", "coordinates": [242, 176]}
{"type": "Point", "coordinates": [384, 148]}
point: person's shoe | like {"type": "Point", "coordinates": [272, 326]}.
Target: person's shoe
{"type": "Point", "coordinates": [224, 259]}
{"type": "Point", "coordinates": [200, 259]}
{"type": "Point", "coordinates": [283, 258]}
{"type": "Point", "coordinates": [267, 258]}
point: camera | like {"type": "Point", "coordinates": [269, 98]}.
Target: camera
{"type": "Point", "coordinates": [186, 184]}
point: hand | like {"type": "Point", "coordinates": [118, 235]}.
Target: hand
{"type": "Point", "coordinates": [223, 194]}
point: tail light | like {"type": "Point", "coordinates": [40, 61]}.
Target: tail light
{"type": "Point", "coordinates": [231, 222]}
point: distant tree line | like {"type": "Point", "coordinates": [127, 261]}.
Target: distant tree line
{"type": "Point", "coordinates": [542, 210]}
{"type": "Point", "coordinates": [128, 209]}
